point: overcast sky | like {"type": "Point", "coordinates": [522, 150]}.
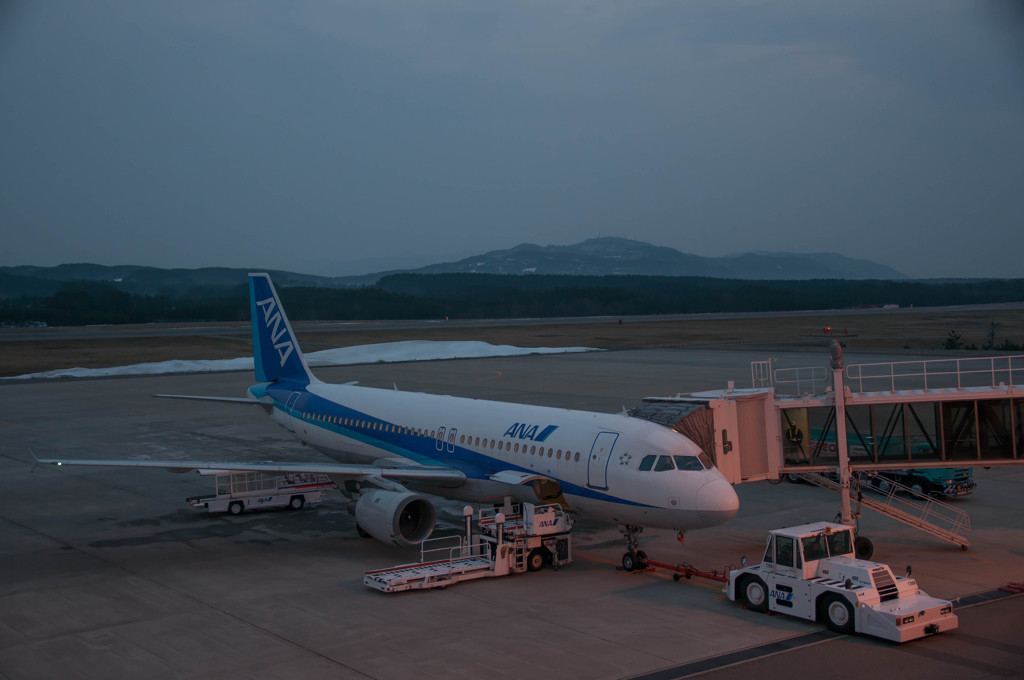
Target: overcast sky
{"type": "Point", "coordinates": [341, 137]}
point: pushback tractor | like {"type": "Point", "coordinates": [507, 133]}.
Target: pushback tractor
{"type": "Point", "coordinates": [810, 571]}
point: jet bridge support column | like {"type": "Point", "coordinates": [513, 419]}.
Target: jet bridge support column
{"type": "Point", "coordinates": [841, 443]}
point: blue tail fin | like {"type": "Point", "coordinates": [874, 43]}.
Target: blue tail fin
{"type": "Point", "coordinates": [275, 350]}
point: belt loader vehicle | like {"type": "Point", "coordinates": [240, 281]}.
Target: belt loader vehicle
{"type": "Point", "coordinates": [810, 571]}
{"type": "Point", "coordinates": [519, 539]}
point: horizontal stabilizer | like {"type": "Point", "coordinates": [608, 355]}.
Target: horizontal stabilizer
{"type": "Point", "coordinates": [232, 400]}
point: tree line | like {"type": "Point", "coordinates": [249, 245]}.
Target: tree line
{"type": "Point", "coordinates": [426, 296]}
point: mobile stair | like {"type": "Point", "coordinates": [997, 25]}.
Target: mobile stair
{"type": "Point", "coordinates": [905, 505]}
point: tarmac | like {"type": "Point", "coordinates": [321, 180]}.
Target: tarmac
{"type": "Point", "coordinates": [108, 573]}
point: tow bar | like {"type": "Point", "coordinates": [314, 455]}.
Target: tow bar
{"type": "Point", "coordinates": [685, 570]}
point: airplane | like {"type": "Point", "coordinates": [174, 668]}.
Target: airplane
{"type": "Point", "coordinates": [390, 448]}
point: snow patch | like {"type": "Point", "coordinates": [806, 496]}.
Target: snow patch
{"type": "Point", "coordinates": [386, 352]}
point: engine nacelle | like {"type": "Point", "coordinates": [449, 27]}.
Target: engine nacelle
{"type": "Point", "coordinates": [402, 519]}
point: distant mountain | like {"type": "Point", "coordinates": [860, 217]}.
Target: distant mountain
{"type": "Point", "coordinates": [610, 256]}
{"type": "Point", "coordinates": [594, 257]}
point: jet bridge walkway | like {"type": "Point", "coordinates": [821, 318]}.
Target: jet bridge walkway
{"type": "Point", "coordinates": [944, 413]}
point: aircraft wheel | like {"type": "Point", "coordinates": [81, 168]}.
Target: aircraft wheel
{"type": "Point", "coordinates": [863, 548]}
{"type": "Point", "coordinates": [755, 594]}
{"type": "Point", "coordinates": [297, 502]}
{"type": "Point", "coordinates": [641, 559]}
{"type": "Point", "coordinates": [236, 508]}
{"type": "Point", "coordinates": [838, 614]}
{"type": "Point", "coordinates": [629, 561]}
{"type": "Point", "coordinates": [536, 560]}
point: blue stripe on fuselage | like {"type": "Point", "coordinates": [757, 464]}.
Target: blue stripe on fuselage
{"type": "Point", "coordinates": [545, 433]}
{"type": "Point", "coordinates": [420, 449]}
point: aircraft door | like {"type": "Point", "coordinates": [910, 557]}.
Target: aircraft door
{"type": "Point", "coordinates": [600, 454]}
{"type": "Point", "coordinates": [289, 419]}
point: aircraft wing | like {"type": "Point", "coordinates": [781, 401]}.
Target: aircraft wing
{"type": "Point", "coordinates": [443, 476]}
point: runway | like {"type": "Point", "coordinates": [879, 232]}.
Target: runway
{"type": "Point", "coordinates": [109, 574]}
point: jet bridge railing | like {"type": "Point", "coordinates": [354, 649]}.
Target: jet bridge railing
{"type": "Point", "coordinates": [994, 371]}
{"type": "Point", "coordinates": [801, 381]}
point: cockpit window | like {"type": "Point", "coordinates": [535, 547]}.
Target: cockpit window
{"type": "Point", "coordinates": [688, 463]}
{"type": "Point", "coordinates": [704, 458]}
{"type": "Point", "coordinates": [647, 463]}
{"type": "Point", "coordinates": [664, 463]}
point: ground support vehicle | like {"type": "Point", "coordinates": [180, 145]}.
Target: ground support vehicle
{"type": "Point", "coordinates": [810, 571]}
{"type": "Point", "coordinates": [235, 492]}
{"type": "Point", "coordinates": [526, 539]}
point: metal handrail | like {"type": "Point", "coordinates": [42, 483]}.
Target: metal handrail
{"type": "Point", "coordinates": [934, 517]}
{"type": "Point", "coordinates": [803, 380]}
{"type": "Point", "coordinates": [457, 552]}
{"type": "Point", "coordinates": [932, 510]}
{"type": "Point", "coordinates": [994, 371]}
{"type": "Point", "coordinates": [938, 373]}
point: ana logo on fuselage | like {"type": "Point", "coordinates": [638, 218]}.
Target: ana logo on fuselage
{"type": "Point", "coordinates": [271, 315]}
{"type": "Point", "coordinates": [527, 431]}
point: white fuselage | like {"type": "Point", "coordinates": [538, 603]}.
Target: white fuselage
{"type": "Point", "coordinates": [593, 459]}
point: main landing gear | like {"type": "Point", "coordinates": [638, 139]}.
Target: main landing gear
{"type": "Point", "coordinates": [635, 558]}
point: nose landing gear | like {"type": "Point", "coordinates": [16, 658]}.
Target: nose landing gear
{"type": "Point", "coordinates": [634, 558]}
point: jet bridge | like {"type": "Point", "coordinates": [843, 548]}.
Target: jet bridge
{"type": "Point", "coordinates": [843, 420]}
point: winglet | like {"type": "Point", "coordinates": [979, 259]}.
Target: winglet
{"type": "Point", "coordinates": [276, 351]}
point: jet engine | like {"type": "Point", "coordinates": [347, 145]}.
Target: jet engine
{"type": "Point", "coordinates": [402, 519]}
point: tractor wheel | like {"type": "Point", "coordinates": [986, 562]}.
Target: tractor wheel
{"type": "Point", "coordinates": [755, 594]}
{"type": "Point", "coordinates": [837, 613]}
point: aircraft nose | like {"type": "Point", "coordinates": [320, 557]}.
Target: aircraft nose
{"type": "Point", "coordinates": [717, 501]}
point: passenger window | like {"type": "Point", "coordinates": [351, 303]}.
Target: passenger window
{"type": "Point", "coordinates": [688, 463]}
{"type": "Point", "coordinates": [664, 463]}
{"type": "Point", "coordinates": [784, 551]}
{"type": "Point", "coordinates": [647, 463]}
{"type": "Point", "coordinates": [577, 459]}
